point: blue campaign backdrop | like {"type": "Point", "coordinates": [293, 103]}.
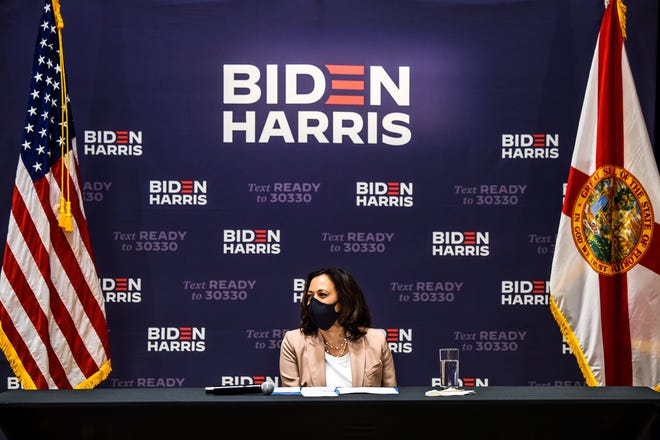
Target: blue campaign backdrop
{"type": "Point", "coordinates": [227, 148]}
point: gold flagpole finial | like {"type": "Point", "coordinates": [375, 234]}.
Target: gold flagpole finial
{"type": "Point", "coordinates": [59, 21]}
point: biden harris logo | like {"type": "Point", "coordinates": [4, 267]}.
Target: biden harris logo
{"type": "Point", "coordinates": [327, 104]}
{"type": "Point", "coordinates": [112, 143]}
{"type": "Point", "coordinates": [530, 146]}
{"type": "Point", "coordinates": [251, 241]}
{"type": "Point", "coordinates": [400, 340]}
{"type": "Point", "coordinates": [388, 194]}
{"type": "Point", "coordinates": [525, 292]}
{"type": "Point", "coordinates": [460, 243]}
{"type": "Point", "coordinates": [248, 380]}
{"type": "Point", "coordinates": [177, 192]}
{"type": "Point", "coordinates": [122, 290]}
{"type": "Point", "coordinates": [173, 339]}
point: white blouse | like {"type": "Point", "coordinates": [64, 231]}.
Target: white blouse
{"type": "Point", "coordinates": [338, 371]}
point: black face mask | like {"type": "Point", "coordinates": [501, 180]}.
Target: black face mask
{"type": "Point", "coordinates": [323, 315]}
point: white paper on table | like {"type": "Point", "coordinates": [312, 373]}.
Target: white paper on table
{"type": "Point", "coordinates": [448, 392]}
{"type": "Point", "coordinates": [318, 391]}
{"type": "Point", "coordinates": [368, 390]}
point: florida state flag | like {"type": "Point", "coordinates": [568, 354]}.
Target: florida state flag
{"type": "Point", "coordinates": [605, 279]}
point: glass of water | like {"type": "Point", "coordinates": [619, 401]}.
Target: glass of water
{"type": "Point", "coordinates": [449, 367]}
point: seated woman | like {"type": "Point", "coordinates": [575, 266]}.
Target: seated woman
{"type": "Point", "coordinates": [335, 345]}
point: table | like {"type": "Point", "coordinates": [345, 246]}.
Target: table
{"type": "Point", "coordinates": [189, 413]}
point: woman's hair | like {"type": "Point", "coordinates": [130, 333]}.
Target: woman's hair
{"type": "Point", "coordinates": [354, 314]}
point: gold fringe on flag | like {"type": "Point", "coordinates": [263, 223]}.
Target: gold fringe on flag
{"type": "Point", "coordinates": [621, 11]}
{"type": "Point", "coordinates": [573, 343]}
{"type": "Point", "coordinates": [65, 220]}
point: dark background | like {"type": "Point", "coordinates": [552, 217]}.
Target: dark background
{"type": "Point", "coordinates": [479, 70]}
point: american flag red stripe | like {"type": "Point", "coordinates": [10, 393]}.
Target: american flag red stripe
{"type": "Point", "coordinates": [53, 327]}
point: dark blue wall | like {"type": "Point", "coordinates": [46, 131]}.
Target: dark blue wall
{"type": "Point", "coordinates": [449, 223]}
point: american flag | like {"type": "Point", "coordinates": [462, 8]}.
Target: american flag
{"type": "Point", "coordinates": [605, 280]}
{"type": "Point", "coordinates": [53, 327]}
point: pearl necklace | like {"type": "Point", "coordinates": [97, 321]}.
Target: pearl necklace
{"type": "Point", "coordinates": [341, 348]}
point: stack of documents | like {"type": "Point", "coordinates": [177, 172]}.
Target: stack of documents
{"type": "Point", "coordinates": [331, 391]}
